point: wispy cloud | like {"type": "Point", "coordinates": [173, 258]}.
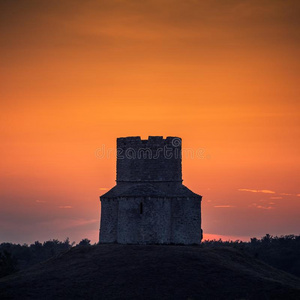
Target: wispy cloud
{"type": "Point", "coordinates": [65, 206]}
{"type": "Point", "coordinates": [285, 194]}
{"type": "Point", "coordinates": [275, 197]}
{"type": "Point", "coordinates": [40, 201]}
{"type": "Point", "coordinates": [266, 191]}
{"type": "Point", "coordinates": [103, 189]}
{"type": "Point", "coordinates": [224, 206]}
{"type": "Point", "coordinates": [262, 206]}
{"type": "Point", "coordinates": [257, 191]}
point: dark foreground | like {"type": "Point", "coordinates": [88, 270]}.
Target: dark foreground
{"type": "Point", "coordinates": [150, 272]}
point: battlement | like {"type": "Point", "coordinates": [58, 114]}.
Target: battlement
{"type": "Point", "coordinates": [151, 141]}
{"type": "Point", "coordinates": [152, 159]}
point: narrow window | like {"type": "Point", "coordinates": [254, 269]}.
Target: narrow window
{"type": "Point", "coordinates": [141, 208]}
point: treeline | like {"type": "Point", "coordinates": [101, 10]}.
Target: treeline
{"type": "Point", "coordinates": [280, 252]}
{"type": "Point", "coordinates": [14, 257]}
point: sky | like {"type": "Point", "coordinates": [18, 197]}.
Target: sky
{"type": "Point", "coordinates": [222, 75]}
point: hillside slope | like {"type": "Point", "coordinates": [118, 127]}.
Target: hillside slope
{"type": "Point", "coordinates": [150, 272]}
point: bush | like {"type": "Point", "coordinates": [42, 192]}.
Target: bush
{"type": "Point", "coordinates": [7, 264]}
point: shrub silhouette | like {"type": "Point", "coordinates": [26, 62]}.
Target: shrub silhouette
{"type": "Point", "coordinates": [7, 264]}
{"type": "Point", "coordinates": [280, 252]}
{"type": "Point", "coordinates": [85, 242]}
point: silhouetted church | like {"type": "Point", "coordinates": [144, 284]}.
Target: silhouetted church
{"type": "Point", "coordinates": [149, 203]}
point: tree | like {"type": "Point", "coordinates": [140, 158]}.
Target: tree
{"type": "Point", "coordinates": [7, 264]}
{"type": "Point", "coordinates": [85, 242]}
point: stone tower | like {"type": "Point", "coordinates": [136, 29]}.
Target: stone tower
{"type": "Point", "coordinates": [149, 204]}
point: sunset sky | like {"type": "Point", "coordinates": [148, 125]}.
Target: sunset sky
{"type": "Point", "coordinates": [222, 75]}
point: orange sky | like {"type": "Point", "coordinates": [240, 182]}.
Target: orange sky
{"type": "Point", "coordinates": [222, 75]}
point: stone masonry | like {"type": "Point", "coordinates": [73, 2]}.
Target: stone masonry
{"type": "Point", "coordinates": [149, 204]}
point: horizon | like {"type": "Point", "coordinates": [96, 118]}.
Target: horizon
{"type": "Point", "coordinates": [206, 238]}
{"type": "Point", "coordinates": [224, 77]}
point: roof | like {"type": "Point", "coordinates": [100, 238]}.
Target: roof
{"type": "Point", "coordinates": [148, 190]}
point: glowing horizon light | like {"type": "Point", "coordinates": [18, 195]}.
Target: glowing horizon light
{"type": "Point", "coordinates": [257, 191]}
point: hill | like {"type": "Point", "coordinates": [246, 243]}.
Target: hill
{"type": "Point", "coordinates": [150, 272]}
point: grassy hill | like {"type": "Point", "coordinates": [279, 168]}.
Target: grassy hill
{"type": "Point", "coordinates": [150, 272]}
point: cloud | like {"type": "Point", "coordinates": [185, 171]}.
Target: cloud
{"type": "Point", "coordinates": [257, 191]}
{"type": "Point", "coordinates": [103, 189]}
{"type": "Point", "coordinates": [285, 194]}
{"type": "Point", "coordinates": [65, 206]}
{"type": "Point", "coordinates": [40, 201]}
{"type": "Point", "coordinates": [275, 197]}
{"type": "Point", "coordinates": [223, 206]}
{"type": "Point", "coordinates": [262, 206]}
{"type": "Point", "coordinates": [266, 191]}
{"type": "Point", "coordinates": [247, 190]}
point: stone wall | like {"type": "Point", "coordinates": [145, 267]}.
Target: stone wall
{"type": "Point", "coordinates": [109, 220]}
{"type": "Point", "coordinates": [155, 159]}
{"type": "Point", "coordinates": [186, 220]}
{"type": "Point", "coordinates": [144, 220]}
{"type": "Point", "coordinates": [151, 220]}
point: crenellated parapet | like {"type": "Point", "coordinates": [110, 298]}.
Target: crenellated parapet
{"type": "Point", "coordinates": [153, 159]}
